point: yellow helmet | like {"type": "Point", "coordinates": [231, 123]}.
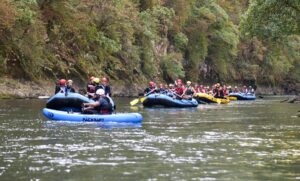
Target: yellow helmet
{"type": "Point", "coordinates": [96, 80]}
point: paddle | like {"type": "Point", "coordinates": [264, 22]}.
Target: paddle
{"type": "Point", "coordinates": [137, 100]}
{"type": "Point", "coordinates": [134, 102]}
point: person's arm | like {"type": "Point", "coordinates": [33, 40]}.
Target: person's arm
{"type": "Point", "coordinates": [91, 105]}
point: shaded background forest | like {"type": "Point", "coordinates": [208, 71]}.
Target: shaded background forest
{"type": "Point", "coordinates": [253, 42]}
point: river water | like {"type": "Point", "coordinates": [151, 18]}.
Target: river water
{"type": "Point", "coordinates": [256, 140]}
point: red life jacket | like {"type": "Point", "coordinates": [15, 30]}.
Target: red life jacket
{"type": "Point", "coordinates": [179, 90]}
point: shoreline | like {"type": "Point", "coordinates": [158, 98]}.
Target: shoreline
{"type": "Point", "coordinates": [13, 89]}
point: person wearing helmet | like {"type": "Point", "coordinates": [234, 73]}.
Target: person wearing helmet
{"type": "Point", "coordinates": [179, 90]}
{"type": "Point", "coordinates": [61, 86]}
{"type": "Point", "coordinates": [101, 106]}
{"type": "Point", "coordinates": [151, 89]}
{"type": "Point", "coordinates": [94, 87]}
{"type": "Point", "coordinates": [70, 86]}
{"type": "Point", "coordinates": [189, 91]}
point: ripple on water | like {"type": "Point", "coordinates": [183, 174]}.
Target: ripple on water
{"type": "Point", "coordinates": [254, 140]}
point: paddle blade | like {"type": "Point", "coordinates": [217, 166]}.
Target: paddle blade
{"type": "Point", "coordinates": [142, 99]}
{"type": "Point", "coordinates": [134, 102]}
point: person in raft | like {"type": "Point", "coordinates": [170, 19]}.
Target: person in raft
{"type": "Point", "coordinates": [162, 89]}
{"type": "Point", "coordinates": [189, 91]}
{"type": "Point", "coordinates": [70, 87]}
{"type": "Point", "coordinates": [251, 90]}
{"type": "Point", "coordinates": [218, 91]}
{"type": "Point", "coordinates": [245, 90]}
{"type": "Point", "coordinates": [105, 85]}
{"type": "Point", "coordinates": [236, 90]}
{"type": "Point", "coordinates": [179, 89]}
{"type": "Point", "coordinates": [61, 86]}
{"type": "Point", "coordinates": [90, 88]}
{"type": "Point", "coordinates": [101, 106]}
{"type": "Point", "coordinates": [151, 89]}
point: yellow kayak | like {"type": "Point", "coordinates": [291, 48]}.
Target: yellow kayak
{"type": "Point", "coordinates": [202, 97]}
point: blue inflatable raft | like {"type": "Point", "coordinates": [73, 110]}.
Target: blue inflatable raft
{"type": "Point", "coordinates": [67, 101]}
{"type": "Point", "coordinates": [163, 100]}
{"type": "Point", "coordinates": [57, 115]}
{"type": "Point", "coordinates": [242, 96]}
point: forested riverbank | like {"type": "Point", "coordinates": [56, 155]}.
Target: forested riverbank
{"type": "Point", "coordinates": [133, 41]}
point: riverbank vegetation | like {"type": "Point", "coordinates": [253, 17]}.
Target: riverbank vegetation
{"type": "Point", "coordinates": [253, 42]}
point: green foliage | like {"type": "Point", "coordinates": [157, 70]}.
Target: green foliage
{"type": "Point", "coordinates": [180, 41]}
{"type": "Point", "coordinates": [172, 67]}
{"type": "Point", "coordinates": [272, 19]}
{"type": "Point", "coordinates": [26, 11]}
{"type": "Point", "coordinates": [135, 40]}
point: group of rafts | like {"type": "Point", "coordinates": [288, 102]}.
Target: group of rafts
{"type": "Point", "coordinates": [67, 106]}
{"type": "Point", "coordinates": [178, 97]}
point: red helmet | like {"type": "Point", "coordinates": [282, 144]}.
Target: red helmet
{"type": "Point", "coordinates": [179, 82]}
{"type": "Point", "coordinates": [62, 82]}
{"type": "Point", "coordinates": [151, 84]}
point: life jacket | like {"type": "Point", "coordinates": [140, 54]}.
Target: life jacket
{"type": "Point", "coordinates": [179, 90]}
{"type": "Point", "coordinates": [225, 92]}
{"type": "Point", "coordinates": [105, 108]}
{"type": "Point", "coordinates": [189, 91]}
{"type": "Point", "coordinates": [91, 88]}
{"type": "Point", "coordinates": [99, 87]}
{"type": "Point", "coordinates": [63, 89]}
{"type": "Point", "coordinates": [106, 89]}
{"type": "Point", "coordinates": [149, 89]}
{"type": "Point", "coordinates": [220, 94]}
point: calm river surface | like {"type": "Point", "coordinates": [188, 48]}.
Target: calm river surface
{"type": "Point", "coordinates": [257, 140]}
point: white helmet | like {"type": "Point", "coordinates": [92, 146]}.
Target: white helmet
{"type": "Point", "coordinates": [100, 92]}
